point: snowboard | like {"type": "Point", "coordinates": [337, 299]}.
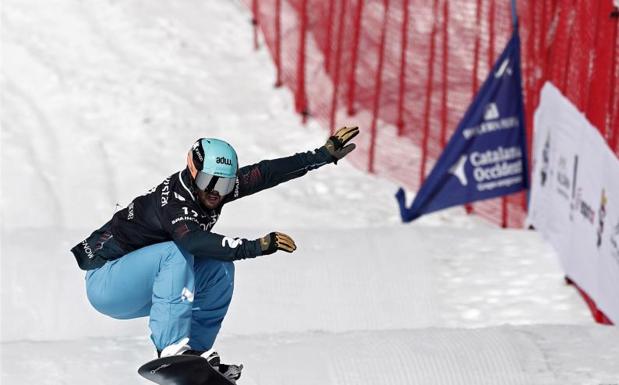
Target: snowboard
{"type": "Point", "coordinates": [182, 370]}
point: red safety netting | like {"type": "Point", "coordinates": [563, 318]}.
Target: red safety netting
{"type": "Point", "coordinates": [406, 70]}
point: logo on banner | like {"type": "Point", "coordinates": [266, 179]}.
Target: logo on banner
{"type": "Point", "coordinates": [564, 184]}
{"type": "Point", "coordinates": [575, 190]}
{"type": "Point", "coordinates": [485, 158]}
{"type": "Point", "coordinates": [545, 161]}
{"type": "Point", "coordinates": [457, 170]}
{"type": "Point", "coordinates": [492, 112]}
{"type": "Point", "coordinates": [497, 168]}
{"type": "Point", "coordinates": [492, 122]}
{"type": "Point", "coordinates": [503, 69]}
{"type": "Point", "coordinates": [583, 208]}
{"type": "Point", "coordinates": [490, 167]}
{"type": "Point", "coordinates": [488, 127]}
{"type": "Point", "coordinates": [601, 217]}
{"type": "Point", "coordinates": [614, 242]}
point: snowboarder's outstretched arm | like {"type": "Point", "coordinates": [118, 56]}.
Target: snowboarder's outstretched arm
{"type": "Point", "coordinates": [270, 173]}
{"type": "Point", "coordinates": [183, 226]}
{"type": "Point", "coordinates": [211, 245]}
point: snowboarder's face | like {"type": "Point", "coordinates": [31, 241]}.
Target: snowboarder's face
{"type": "Point", "coordinates": [211, 199]}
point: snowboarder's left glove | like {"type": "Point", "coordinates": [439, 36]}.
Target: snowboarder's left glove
{"type": "Point", "coordinates": [337, 143]}
{"type": "Point", "coordinates": [274, 241]}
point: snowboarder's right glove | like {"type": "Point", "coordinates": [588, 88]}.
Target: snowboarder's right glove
{"type": "Point", "coordinates": [336, 144]}
{"type": "Point", "coordinates": [274, 241]}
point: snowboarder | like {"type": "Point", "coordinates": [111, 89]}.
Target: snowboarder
{"type": "Point", "coordinates": [157, 257]}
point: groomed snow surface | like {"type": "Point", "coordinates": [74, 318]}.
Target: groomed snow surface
{"type": "Point", "coordinates": [100, 102]}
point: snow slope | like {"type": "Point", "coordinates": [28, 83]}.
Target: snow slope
{"type": "Point", "coordinates": [100, 101]}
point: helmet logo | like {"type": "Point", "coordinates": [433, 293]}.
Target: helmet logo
{"type": "Point", "coordinates": [198, 153]}
{"type": "Point", "coordinates": [223, 160]}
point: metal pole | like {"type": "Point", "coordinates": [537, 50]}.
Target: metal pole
{"type": "Point", "coordinates": [352, 76]}
{"type": "Point", "coordinates": [300, 96]}
{"type": "Point", "coordinates": [254, 21]}
{"type": "Point", "coordinates": [428, 96]}
{"type": "Point", "coordinates": [514, 14]}
{"type": "Point", "coordinates": [336, 69]}
{"type": "Point", "coordinates": [403, 49]}
{"type": "Point", "coordinates": [278, 42]}
{"type": "Point", "coordinates": [377, 88]}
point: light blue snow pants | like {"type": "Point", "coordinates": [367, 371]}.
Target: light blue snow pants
{"type": "Point", "coordinates": [185, 297]}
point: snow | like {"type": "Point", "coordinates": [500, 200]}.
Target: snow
{"type": "Point", "coordinates": [100, 101]}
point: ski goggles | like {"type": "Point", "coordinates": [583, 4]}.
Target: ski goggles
{"type": "Point", "coordinates": [208, 182]}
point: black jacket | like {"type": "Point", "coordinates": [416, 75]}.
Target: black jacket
{"type": "Point", "coordinates": [172, 212]}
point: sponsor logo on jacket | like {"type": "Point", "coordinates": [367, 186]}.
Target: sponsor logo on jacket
{"type": "Point", "coordinates": [87, 249]}
{"type": "Point", "coordinates": [236, 188]}
{"type": "Point", "coordinates": [165, 192]}
{"type": "Point", "coordinates": [187, 295]}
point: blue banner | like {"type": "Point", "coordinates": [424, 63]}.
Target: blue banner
{"type": "Point", "coordinates": [486, 156]}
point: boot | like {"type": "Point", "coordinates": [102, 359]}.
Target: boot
{"type": "Point", "coordinates": [230, 371]}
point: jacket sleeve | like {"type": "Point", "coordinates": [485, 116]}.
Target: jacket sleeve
{"type": "Point", "coordinates": [270, 173]}
{"type": "Point", "coordinates": [182, 223]}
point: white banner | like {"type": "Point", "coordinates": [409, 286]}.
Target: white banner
{"type": "Point", "coordinates": [574, 200]}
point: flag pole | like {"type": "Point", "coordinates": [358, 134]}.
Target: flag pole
{"type": "Point", "coordinates": [514, 15]}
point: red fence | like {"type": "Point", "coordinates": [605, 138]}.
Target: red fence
{"type": "Point", "coordinates": [406, 70]}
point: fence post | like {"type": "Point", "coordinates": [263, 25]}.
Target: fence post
{"type": "Point", "coordinates": [338, 59]}
{"type": "Point", "coordinates": [404, 46]}
{"type": "Point", "coordinates": [377, 88]}
{"type": "Point", "coordinates": [570, 40]}
{"type": "Point", "coordinates": [254, 21]}
{"type": "Point", "coordinates": [491, 39]}
{"type": "Point", "coordinates": [529, 92]}
{"type": "Point", "coordinates": [444, 73]}
{"type": "Point", "coordinates": [278, 42]}
{"type": "Point", "coordinates": [469, 206]}
{"type": "Point", "coordinates": [543, 48]}
{"type": "Point", "coordinates": [300, 96]}
{"type": "Point", "coordinates": [582, 19]}
{"type": "Point", "coordinates": [352, 76]}
{"type": "Point", "coordinates": [477, 47]}
{"type": "Point", "coordinates": [599, 107]}
{"type": "Point", "coordinates": [328, 39]}
{"type": "Point", "coordinates": [586, 75]}
{"type": "Point", "coordinates": [614, 102]}
{"type": "Point", "coordinates": [491, 58]}
{"type": "Point", "coordinates": [428, 99]}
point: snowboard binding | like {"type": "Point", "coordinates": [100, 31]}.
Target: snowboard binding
{"type": "Point", "coordinates": [189, 369]}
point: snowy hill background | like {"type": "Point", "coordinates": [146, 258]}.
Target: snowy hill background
{"type": "Point", "coordinates": [100, 101]}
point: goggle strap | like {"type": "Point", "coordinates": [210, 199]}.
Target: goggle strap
{"type": "Point", "coordinates": [212, 183]}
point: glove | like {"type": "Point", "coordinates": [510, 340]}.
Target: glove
{"type": "Point", "coordinates": [274, 241]}
{"type": "Point", "coordinates": [336, 144]}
